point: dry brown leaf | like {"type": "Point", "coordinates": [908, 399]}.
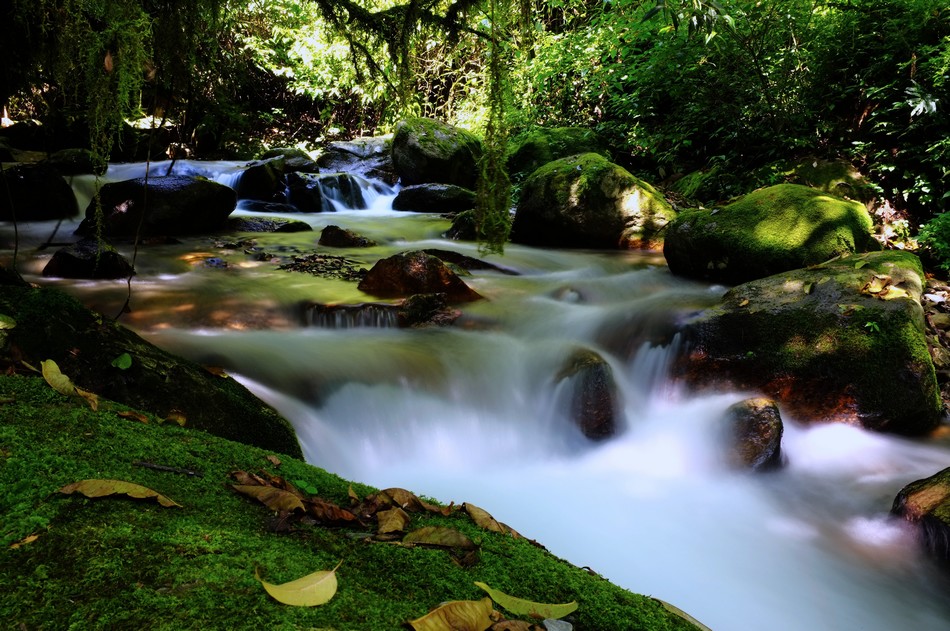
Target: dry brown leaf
{"type": "Point", "coordinates": [483, 519]}
{"type": "Point", "coordinates": [458, 615]}
{"type": "Point", "coordinates": [176, 416]}
{"type": "Point", "coordinates": [24, 541]}
{"type": "Point", "coordinates": [103, 488]}
{"type": "Point", "coordinates": [272, 498]}
{"type": "Point", "coordinates": [133, 416]}
{"type": "Point", "coordinates": [439, 536]}
{"type": "Point", "coordinates": [274, 460]}
{"type": "Point", "coordinates": [405, 499]}
{"type": "Point", "coordinates": [243, 477]}
{"type": "Point", "coordinates": [392, 520]}
{"type": "Point", "coordinates": [326, 512]}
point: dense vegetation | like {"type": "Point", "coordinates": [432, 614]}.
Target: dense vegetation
{"type": "Point", "coordinates": [736, 89]}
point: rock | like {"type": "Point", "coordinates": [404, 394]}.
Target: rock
{"type": "Point", "coordinates": [535, 147]}
{"type": "Point", "coordinates": [370, 156]}
{"type": "Point", "coordinates": [337, 237]}
{"type": "Point", "coordinates": [311, 193]}
{"type": "Point", "coordinates": [585, 201]}
{"type": "Point", "coordinates": [257, 206]}
{"type": "Point", "coordinates": [426, 150]}
{"type": "Point", "coordinates": [416, 272]}
{"type": "Point", "coordinates": [594, 397]}
{"type": "Point", "coordinates": [926, 504]}
{"type": "Point", "coordinates": [38, 193]}
{"type": "Point", "coordinates": [77, 162]}
{"type": "Point", "coordinates": [363, 315]}
{"type": "Point", "coordinates": [766, 232]}
{"type": "Point", "coordinates": [52, 325]}
{"type": "Point", "coordinates": [267, 224]}
{"type": "Point", "coordinates": [467, 262]}
{"type": "Point", "coordinates": [843, 341]}
{"type": "Point", "coordinates": [753, 432]}
{"type": "Point", "coordinates": [434, 198]}
{"type": "Point", "coordinates": [294, 158]}
{"type": "Point", "coordinates": [88, 258]}
{"type": "Point", "coordinates": [463, 227]}
{"type": "Point", "coordinates": [420, 310]}
{"type": "Point", "coordinates": [837, 177]}
{"type": "Point", "coordinates": [262, 180]}
{"type": "Point", "coordinates": [171, 205]}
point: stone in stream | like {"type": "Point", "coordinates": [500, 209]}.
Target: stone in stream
{"type": "Point", "coordinates": [416, 272]}
{"type": "Point", "coordinates": [337, 237]}
{"type": "Point", "coordinates": [426, 150]}
{"type": "Point", "coordinates": [594, 397]}
{"type": "Point", "coordinates": [752, 430]}
{"type": "Point", "coordinates": [926, 504]}
{"type": "Point", "coordinates": [88, 258]}
{"type": "Point", "coordinates": [434, 198]}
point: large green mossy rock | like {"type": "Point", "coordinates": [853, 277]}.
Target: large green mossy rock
{"type": "Point", "coordinates": [53, 325]}
{"type": "Point", "coordinates": [926, 504]}
{"type": "Point", "coordinates": [430, 151]}
{"type": "Point", "coordinates": [843, 341]}
{"type": "Point", "coordinates": [586, 201]}
{"type": "Point", "coordinates": [766, 232]}
{"type": "Point", "coordinates": [535, 147]}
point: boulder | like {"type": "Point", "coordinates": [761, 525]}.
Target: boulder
{"type": "Point", "coordinates": [426, 150]}
{"type": "Point", "coordinates": [37, 193]}
{"type": "Point", "coordinates": [535, 147]}
{"type": "Point", "coordinates": [463, 227]}
{"type": "Point", "coordinates": [843, 341]}
{"type": "Point", "coordinates": [88, 258]}
{"type": "Point", "coordinates": [766, 232]}
{"type": "Point", "coordinates": [262, 180]}
{"type": "Point", "coordinates": [337, 237]}
{"type": "Point", "coordinates": [311, 193]}
{"type": "Point", "coordinates": [170, 205]}
{"type": "Point", "coordinates": [294, 158]}
{"type": "Point", "coordinates": [77, 162]}
{"type": "Point", "coordinates": [267, 224]}
{"type": "Point", "coordinates": [926, 504]}
{"type": "Point", "coordinates": [409, 273]}
{"type": "Point", "coordinates": [434, 198]}
{"type": "Point", "coordinates": [752, 429]}
{"type": "Point", "coordinates": [594, 397]}
{"type": "Point", "coordinates": [257, 206]}
{"type": "Point", "coordinates": [585, 201]}
{"type": "Point", "coordinates": [370, 156]}
{"type": "Point", "coordinates": [52, 325]}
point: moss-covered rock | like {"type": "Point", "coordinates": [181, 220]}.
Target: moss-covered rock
{"type": "Point", "coordinates": [434, 198]}
{"type": "Point", "coordinates": [52, 325]}
{"type": "Point", "coordinates": [118, 563]}
{"type": "Point", "coordinates": [88, 258]}
{"type": "Point", "coordinates": [535, 147]}
{"type": "Point", "coordinates": [766, 232]}
{"type": "Point", "coordinates": [842, 341]}
{"type": "Point", "coordinates": [426, 150]}
{"type": "Point", "coordinates": [586, 201]}
{"type": "Point", "coordinates": [926, 504]}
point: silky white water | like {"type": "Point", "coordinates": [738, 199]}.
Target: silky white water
{"type": "Point", "coordinates": [473, 413]}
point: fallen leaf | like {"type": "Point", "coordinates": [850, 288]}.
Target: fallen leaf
{"type": "Point", "coordinates": [133, 416]}
{"type": "Point", "coordinates": [807, 287]}
{"type": "Point", "coordinates": [891, 292]}
{"type": "Point", "coordinates": [483, 519]}
{"type": "Point", "coordinates": [217, 371]}
{"type": "Point", "coordinates": [273, 498]}
{"type": "Point", "coordinates": [393, 520]}
{"type": "Point", "coordinates": [122, 362]}
{"type": "Point", "coordinates": [243, 477]}
{"type": "Point", "coordinates": [860, 264]}
{"type": "Point", "coordinates": [24, 541]}
{"type": "Point", "coordinates": [682, 614]}
{"type": "Point", "coordinates": [92, 399]}
{"type": "Point", "coordinates": [439, 536]}
{"type": "Point", "coordinates": [458, 615]}
{"type": "Point", "coordinates": [515, 625]}
{"type": "Point", "coordinates": [744, 303]}
{"type": "Point", "coordinates": [102, 488]}
{"type": "Point", "coordinates": [326, 512]}
{"type": "Point", "coordinates": [56, 379]}
{"type": "Point", "coordinates": [274, 460]}
{"type": "Point", "coordinates": [308, 591]}
{"type": "Point", "coordinates": [6, 322]}
{"type": "Point", "coordinates": [876, 284]}
{"type": "Point", "coordinates": [176, 416]}
{"type": "Point", "coordinates": [522, 607]}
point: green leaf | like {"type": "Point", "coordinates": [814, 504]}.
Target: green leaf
{"type": "Point", "coordinates": [123, 361]}
{"type": "Point", "coordinates": [6, 322]}
{"type": "Point", "coordinates": [308, 591]}
{"type": "Point", "coordinates": [522, 607]}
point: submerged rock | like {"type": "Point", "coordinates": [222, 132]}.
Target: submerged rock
{"type": "Point", "coordinates": [594, 397]}
{"type": "Point", "coordinates": [843, 341]}
{"type": "Point", "coordinates": [772, 230]}
{"type": "Point", "coordinates": [753, 433]}
{"type": "Point", "coordinates": [585, 201]}
{"type": "Point", "coordinates": [426, 150]}
{"type": "Point", "coordinates": [415, 272]}
{"type": "Point", "coordinates": [926, 504]}
{"type": "Point", "coordinates": [337, 237]}
{"type": "Point", "coordinates": [267, 224]}
{"type": "Point", "coordinates": [434, 198]}
{"type": "Point", "coordinates": [88, 258]}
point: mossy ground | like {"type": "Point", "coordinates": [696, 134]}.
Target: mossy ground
{"type": "Point", "coordinates": [118, 563]}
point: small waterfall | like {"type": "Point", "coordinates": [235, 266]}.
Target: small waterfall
{"type": "Point", "coordinates": [376, 316]}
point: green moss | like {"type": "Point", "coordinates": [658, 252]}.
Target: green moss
{"type": "Point", "coordinates": [120, 563]}
{"type": "Point", "coordinates": [538, 146]}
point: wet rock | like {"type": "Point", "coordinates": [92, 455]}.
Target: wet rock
{"type": "Point", "coordinates": [88, 258]}
{"type": "Point", "coordinates": [426, 150]}
{"type": "Point", "coordinates": [257, 206]}
{"type": "Point", "coordinates": [370, 156]}
{"type": "Point", "coordinates": [170, 205]}
{"type": "Point", "coordinates": [415, 272]}
{"type": "Point", "coordinates": [426, 310]}
{"type": "Point", "coordinates": [38, 193]}
{"type": "Point", "coordinates": [772, 230]}
{"type": "Point", "coordinates": [752, 429]}
{"type": "Point", "coordinates": [311, 193]}
{"type": "Point", "coordinates": [467, 262]}
{"type": "Point", "coordinates": [337, 237]}
{"type": "Point", "coordinates": [585, 201]}
{"type": "Point", "coordinates": [594, 397]}
{"type": "Point", "coordinates": [262, 180]}
{"type": "Point", "coordinates": [434, 198]}
{"type": "Point", "coordinates": [839, 342]}
{"type": "Point", "coordinates": [463, 227]}
{"type": "Point", "coordinates": [267, 224]}
{"type": "Point", "coordinates": [926, 504]}
{"type": "Point", "coordinates": [294, 159]}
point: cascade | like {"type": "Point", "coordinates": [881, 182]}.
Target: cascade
{"type": "Point", "coordinates": [473, 413]}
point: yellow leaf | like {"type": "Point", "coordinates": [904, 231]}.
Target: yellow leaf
{"type": "Point", "coordinates": [271, 497]}
{"type": "Point", "coordinates": [91, 397]}
{"type": "Point", "coordinates": [682, 614]}
{"type": "Point", "coordinates": [309, 591]}
{"type": "Point", "coordinates": [744, 303]}
{"type": "Point", "coordinates": [458, 615]}
{"type": "Point", "coordinates": [133, 416]}
{"type": "Point", "coordinates": [392, 520]}
{"type": "Point", "coordinates": [807, 287]}
{"type": "Point", "coordinates": [56, 379]}
{"type": "Point", "coordinates": [102, 488]}
{"type": "Point", "coordinates": [891, 292]}
{"type": "Point", "coordinates": [439, 536]}
{"type": "Point", "coordinates": [24, 541]}
{"type": "Point", "coordinates": [522, 607]}
{"type": "Point", "coordinates": [176, 416]}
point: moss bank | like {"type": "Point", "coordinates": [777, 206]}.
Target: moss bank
{"type": "Point", "coordinates": [116, 563]}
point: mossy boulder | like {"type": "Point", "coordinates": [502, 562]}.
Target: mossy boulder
{"type": "Point", "coordinates": [772, 230]}
{"type": "Point", "coordinates": [926, 504]}
{"type": "Point", "coordinates": [426, 150]}
{"type": "Point", "coordinates": [434, 198]}
{"type": "Point", "coordinates": [843, 341]}
{"type": "Point", "coordinates": [586, 201]}
{"type": "Point", "coordinates": [535, 147]}
{"type": "Point", "coordinates": [263, 180]}
{"type": "Point", "coordinates": [88, 258]}
{"type": "Point", "coordinates": [77, 162]}
{"type": "Point", "coordinates": [36, 192]}
{"type": "Point", "coordinates": [52, 325]}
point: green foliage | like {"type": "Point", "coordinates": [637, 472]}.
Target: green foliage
{"type": "Point", "coordinates": [934, 238]}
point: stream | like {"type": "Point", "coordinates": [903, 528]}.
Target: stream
{"type": "Point", "coordinates": [472, 413]}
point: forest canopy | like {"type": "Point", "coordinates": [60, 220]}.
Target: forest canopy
{"type": "Point", "coordinates": [735, 89]}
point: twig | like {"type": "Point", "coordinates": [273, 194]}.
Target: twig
{"type": "Point", "coordinates": [162, 467]}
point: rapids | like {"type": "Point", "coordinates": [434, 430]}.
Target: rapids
{"type": "Point", "coordinates": [471, 413]}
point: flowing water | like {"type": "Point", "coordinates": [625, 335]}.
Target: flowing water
{"type": "Point", "coordinates": [473, 413]}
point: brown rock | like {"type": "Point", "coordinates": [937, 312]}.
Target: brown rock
{"type": "Point", "coordinates": [416, 272]}
{"type": "Point", "coordinates": [753, 431]}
